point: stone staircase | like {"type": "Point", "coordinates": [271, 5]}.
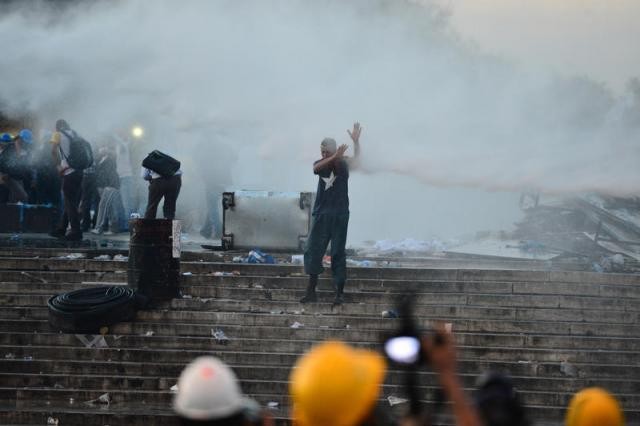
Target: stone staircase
{"type": "Point", "coordinates": [555, 332]}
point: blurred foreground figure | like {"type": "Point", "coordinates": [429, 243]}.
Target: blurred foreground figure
{"type": "Point", "coordinates": [594, 407]}
{"type": "Point", "coordinates": [209, 395]}
{"type": "Point", "coordinates": [330, 215]}
{"type": "Point", "coordinates": [337, 385]}
{"type": "Point", "coordinates": [497, 401]}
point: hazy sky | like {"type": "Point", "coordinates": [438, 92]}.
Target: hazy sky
{"type": "Point", "coordinates": [562, 35]}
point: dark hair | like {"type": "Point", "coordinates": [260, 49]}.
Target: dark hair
{"type": "Point", "coordinates": [498, 403]}
{"type": "Point", "coordinates": [62, 124]}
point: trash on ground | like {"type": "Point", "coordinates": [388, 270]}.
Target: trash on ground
{"type": "Point", "coordinates": [53, 421]}
{"type": "Point", "coordinates": [33, 277]}
{"type": "Point", "coordinates": [394, 400]}
{"type": "Point", "coordinates": [149, 333]}
{"type": "Point", "coordinates": [226, 274]}
{"type": "Point", "coordinates": [28, 358]}
{"type": "Point", "coordinates": [391, 313]}
{"type": "Point", "coordinates": [187, 273]}
{"type": "Point", "coordinates": [256, 256]}
{"type": "Point", "coordinates": [96, 341]}
{"type": "Point", "coordinates": [104, 399]}
{"type": "Point", "coordinates": [273, 404]}
{"type": "Point", "coordinates": [187, 296]}
{"type": "Point", "coordinates": [9, 356]}
{"type": "Point", "coordinates": [58, 386]}
{"type": "Point", "coordinates": [102, 257]}
{"type": "Point", "coordinates": [258, 286]}
{"type": "Point", "coordinates": [297, 325]}
{"type": "Point", "coordinates": [73, 256]}
{"type": "Point", "coordinates": [361, 263]}
{"type": "Point", "coordinates": [174, 388]}
{"type": "Point", "coordinates": [220, 337]}
{"type": "Point", "coordinates": [120, 258]}
{"type": "Point", "coordinates": [297, 259]}
{"type": "Point", "coordinates": [568, 369]}
{"type": "Point", "coordinates": [276, 312]}
{"type": "Point", "coordinates": [326, 261]}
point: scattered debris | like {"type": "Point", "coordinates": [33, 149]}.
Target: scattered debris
{"type": "Point", "coordinates": [361, 263]}
{"type": "Point", "coordinates": [58, 386]}
{"type": "Point", "coordinates": [273, 405]}
{"type": "Point", "coordinates": [73, 256]}
{"type": "Point", "coordinates": [256, 256]}
{"type": "Point", "coordinates": [174, 388]}
{"type": "Point", "coordinates": [28, 358]}
{"type": "Point", "coordinates": [52, 421]}
{"type": "Point", "coordinates": [391, 313]}
{"type": "Point", "coordinates": [568, 369]}
{"type": "Point", "coordinates": [258, 286]}
{"type": "Point", "coordinates": [187, 296]}
{"type": "Point", "coordinates": [120, 258]}
{"type": "Point", "coordinates": [326, 261]}
{"type": "Point", "coordinates": [226, 274]}
{"type": "Point", "coordinates": [102, 257]}
{"type": "Point", "coordinates": [149, 333]}
{"type": "Point", "coordinates": [276, 312]}
{"type": "Point", "coordinates": [297, 325]}
{"type": "Point", "coordinates": [104, 399]}
{"type": "Point", "coordinates": [297, 259]}
{"type": "Point", "coordinates": [96, 341]}
{"type": "Point", "coordinates": [9, 356]}
{"type": "Point", "coordinates": [187, 273]}
{"type": "Point", "coordinates": [220, 337]}
{"type": "Point", "coordinates": [42, 280]}
{"type": "Point", "coordinates": [394, 400]}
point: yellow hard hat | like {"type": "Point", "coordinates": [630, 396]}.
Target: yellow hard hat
{"type": "Point", "coordinates": [335, 385]}
{"type": "Point", "coordinates": [594, 407]}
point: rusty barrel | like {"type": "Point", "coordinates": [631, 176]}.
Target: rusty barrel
{"type": "Point", "coordinates": [154, 258]}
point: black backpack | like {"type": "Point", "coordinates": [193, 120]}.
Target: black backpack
{"type": "Point", "coordinates": [80, 155]}
{"type": "Point", "coordinates": [161, 163]}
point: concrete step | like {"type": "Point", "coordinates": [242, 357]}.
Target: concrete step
{"type": "Point", "coordinates": [270, 389]}
{"type": "Point", "coordinates": [88, 374]}
{"type": "Point", "coordinates": [454, 305]}
{"type": "Point", "coordinates": [428, 274]}
{"type": "Point", "coordinates": [618, 363]}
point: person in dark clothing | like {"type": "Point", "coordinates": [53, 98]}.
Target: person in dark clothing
{"type": "Point", "coordinates": [330, 215]}
{"type": "Point", "coordinates": [162, 187]}
{"type": "Point", "coordinates": [110, 209]}
{"type": "Point", "coordinates": [71, 182]}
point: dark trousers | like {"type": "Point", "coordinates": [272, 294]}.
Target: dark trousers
{"type": "Point", "coordinates": [325, 228]}
{"type": "Point", "coordinates": [71, 191]}
{"type": "Point", "coordinates": [169, 188]}
{"type": "Point", "coordinates": [90, 199]}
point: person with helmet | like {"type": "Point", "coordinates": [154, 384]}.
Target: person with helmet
{"type": "Point", "coordinates": [71, 182]}
{"type": "Point", "coordinates": [338, 385]}
{"type": "Point", "coordinates": [12, 169]}
{"type": "Point", "coordinates": [497, 401]}
{"type": "Point", "coordinates": [330, 215]}
{"type": "Point", "coordinates": [209, 395]}
{"type": "Point", "coordinates": [594, 407]}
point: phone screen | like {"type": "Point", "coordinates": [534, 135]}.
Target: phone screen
{"type": "Point", "coordinates": [403, 349]}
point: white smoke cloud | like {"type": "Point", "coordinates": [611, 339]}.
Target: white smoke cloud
{"type": "Point", "coordinates": [269, 79]}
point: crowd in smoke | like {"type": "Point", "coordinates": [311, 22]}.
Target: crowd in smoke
{"type": "Point", "coordinates": [266, 81]}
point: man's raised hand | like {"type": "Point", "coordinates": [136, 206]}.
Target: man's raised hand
{"type": "Point", "coordinates": [355, 133]}
{"type": "Point", "coordinates": [340, 151]}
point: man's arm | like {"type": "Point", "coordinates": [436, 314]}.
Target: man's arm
{"type": "Point", "coordinates": [326, 162]}
{"type": "Point", "coordinates": [355, 137]}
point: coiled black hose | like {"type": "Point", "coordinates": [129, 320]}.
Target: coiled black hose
{"type": "Point", "coordinates": [87, 310]}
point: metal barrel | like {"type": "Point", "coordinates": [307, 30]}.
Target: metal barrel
{"type": "Point", "coordinates": [154, 262]}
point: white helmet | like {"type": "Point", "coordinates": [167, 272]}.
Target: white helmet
{"type": "Point", "coordinates": [207, 390]}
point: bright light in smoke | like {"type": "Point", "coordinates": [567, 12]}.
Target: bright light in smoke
{"type": "Point", "coordinates": [137, 132]}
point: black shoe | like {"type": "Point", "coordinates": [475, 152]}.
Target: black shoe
{"type": "Point", "coordinates": [57, 234]}
{"type": "Point", "coordinates": [309, 298]}
{"type": "Point", "coordinates": [339, 300]}
{"type": "Point", "coordinates": [74, 236]}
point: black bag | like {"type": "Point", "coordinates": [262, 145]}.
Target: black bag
{"type": "Point", "coordinates": [80, 155]}
{"type": "Point", "coordinates": [161, 163]}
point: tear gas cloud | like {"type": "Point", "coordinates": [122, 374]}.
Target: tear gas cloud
{"type": "Point", "coordinates": [246, 90]}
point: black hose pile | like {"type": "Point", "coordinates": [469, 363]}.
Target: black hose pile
{"type": "Point", "coordinates": [87, 310]}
